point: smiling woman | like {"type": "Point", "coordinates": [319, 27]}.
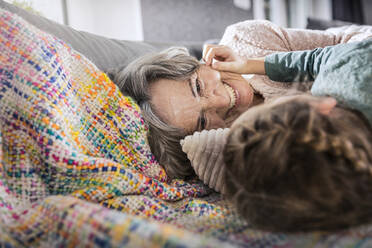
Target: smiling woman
{"type": "Point", "coordinates": [178, 96]}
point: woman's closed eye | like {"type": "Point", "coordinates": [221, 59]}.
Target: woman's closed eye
{"type": "Point", "coordinates": [196, 87]}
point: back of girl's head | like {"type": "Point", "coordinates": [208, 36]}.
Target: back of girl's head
{"type": "Point", "coordinates": [292, 168]}
{"type": "Point", "coordinates": [135, 80]}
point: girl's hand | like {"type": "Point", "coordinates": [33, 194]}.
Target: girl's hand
{"type": "Point", "coordinates": [223, 58]}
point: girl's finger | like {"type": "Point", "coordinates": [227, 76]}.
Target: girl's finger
{"type": "Point", "coordinates": [221, 53]}
{"type": "Point", "coordinates": [206, 49]}
{"type": "Point", "coordinates": [225, 66]}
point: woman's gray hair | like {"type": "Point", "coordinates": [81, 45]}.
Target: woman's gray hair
{"type": "Point", "coordinates": [176, 64]}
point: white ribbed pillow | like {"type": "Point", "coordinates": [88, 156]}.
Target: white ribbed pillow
{"type": "Point", "coordinates": [205, 151]}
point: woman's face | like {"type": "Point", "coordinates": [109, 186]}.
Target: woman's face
{"type": "Point", "coordinates": [210, 99]}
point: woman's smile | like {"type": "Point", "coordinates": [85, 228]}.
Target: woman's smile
{"type": "Point", "coordinates": [232, 94]}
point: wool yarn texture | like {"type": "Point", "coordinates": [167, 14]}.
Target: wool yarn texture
{"type": "Point", "coordinates": [76, 169]}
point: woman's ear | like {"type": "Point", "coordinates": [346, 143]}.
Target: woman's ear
{"type": "Point", "coordinates": [324, 105]}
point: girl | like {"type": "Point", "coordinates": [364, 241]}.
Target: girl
{"type": "Point", "coordinates": [302, 163]}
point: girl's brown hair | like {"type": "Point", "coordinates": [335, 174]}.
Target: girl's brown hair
{"type": "Point", "coordinates": [294, 169]}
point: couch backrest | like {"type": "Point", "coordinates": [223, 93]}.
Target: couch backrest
{"type": "Point", "coordinates": [104, 52]}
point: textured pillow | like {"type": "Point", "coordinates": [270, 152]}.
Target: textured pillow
{"type": "Point", "coordinates": [205, 151]}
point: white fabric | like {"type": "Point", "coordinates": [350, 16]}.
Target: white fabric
{"type": "Point", "coordinates": [205, 151]}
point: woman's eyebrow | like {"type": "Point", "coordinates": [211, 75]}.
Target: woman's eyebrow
{"type": "Point", "coordinates": [192, 90]}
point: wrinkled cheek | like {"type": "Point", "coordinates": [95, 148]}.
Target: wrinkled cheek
{"type": "Point", "coordinates": [175, 109]}
{"type": "Point", "coordinates": [183, 107]}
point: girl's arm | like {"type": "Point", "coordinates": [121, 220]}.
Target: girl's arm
{"type": "Point", "coordinates": [301, 66]}
{"type": "Point", "coordinates": [297, 66]}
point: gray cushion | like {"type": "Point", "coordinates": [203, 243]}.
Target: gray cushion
{"type": "Point", "coordinates": [105, 53]}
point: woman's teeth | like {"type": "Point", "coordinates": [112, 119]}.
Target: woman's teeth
{"type": "Point", "coordinates": [232, 95]}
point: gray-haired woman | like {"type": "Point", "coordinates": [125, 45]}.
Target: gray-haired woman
{"type": "Point", "coordinates": [178, 95]}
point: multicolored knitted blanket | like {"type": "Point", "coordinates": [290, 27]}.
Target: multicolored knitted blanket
{"type": "Point", "coordinates": [76, 169]}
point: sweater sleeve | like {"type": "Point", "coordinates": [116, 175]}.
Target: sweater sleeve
{"type": "Point", "coordinates": [343, 71]}
{"type": "Point", "coordinates": [257, 38]}
{"type": "Point", "coordinates": [299, 66]}
{"type": "Point", "coordinates": [352, 33]}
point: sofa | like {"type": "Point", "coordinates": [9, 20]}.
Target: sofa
{"type": "Point", "coordinates": [95, 183]}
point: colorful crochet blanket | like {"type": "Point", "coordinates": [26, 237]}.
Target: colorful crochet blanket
{"type": "Point", "coordinates": [76, 169]}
